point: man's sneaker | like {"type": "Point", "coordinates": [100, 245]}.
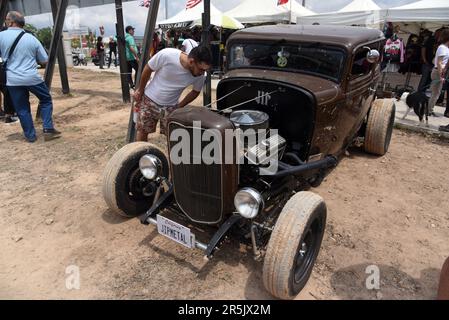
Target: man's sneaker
{"type": "Point", "coordinates": [31, 140]}
{"type": "Point", "coordinates": [50, 134]}
{"type": "Point", "coordinates": [444, 128]}
{"type": "Point", "coordinates": [11, 119]}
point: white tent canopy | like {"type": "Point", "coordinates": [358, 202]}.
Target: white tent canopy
{"type": "Point", "coordinates": [262, 11]}
{"type": "Point", "coordinates": [424, 4]}
{"type": "Point", "coordinates": [193, 16]}
{"type": "Point", "coordinates": [358, 12]}
{"type": "Point", "coordinates": [370, 18]}
{"type": "Point", "coordinates": [425, 11]}
{"type": "Point", "coordinates": [430, 14]}
{"type": "Point", "coordinates": [360, 5]}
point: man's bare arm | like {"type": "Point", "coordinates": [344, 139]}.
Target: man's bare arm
{"type": "Point", "coordinates": [145, 77]}
{"type": "Point", "coordinates": [133, 51]}
{"type": "Point", "coordinates": [442, 69]}
{"type": "Point", "coordinates": [188, 98]}
{"type": "Point", "coordinates": [445, 74]}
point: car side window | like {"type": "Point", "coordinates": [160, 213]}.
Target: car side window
{"type": "Point", "coordinates": [360, 66]}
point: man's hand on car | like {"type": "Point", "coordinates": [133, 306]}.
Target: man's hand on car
{"type": "Point", "coordinates": [138, 95]}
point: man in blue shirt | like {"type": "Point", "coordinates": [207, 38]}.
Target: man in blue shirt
{"type": "Point", "coordinates": [23, 77]}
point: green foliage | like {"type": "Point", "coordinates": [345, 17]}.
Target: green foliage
{"type": "Point", "coordinates": [91, 38]}
{"type": "Point", "coordinates": [30, 28]}
{"type": "Point", "coordinates": [44, 36]}
{"type": "Point", "coordinates": [76, 43]}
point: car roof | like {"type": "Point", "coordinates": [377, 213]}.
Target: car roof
{"type": "Point", "coordinates": [349, 37]}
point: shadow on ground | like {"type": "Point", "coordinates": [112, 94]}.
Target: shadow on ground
{"type": "Point", "coordinates": [15, 137]}
{"type": "Point", "coordinates": [351, 283]}
{"type": "Point", "coordinates": [111, 217]}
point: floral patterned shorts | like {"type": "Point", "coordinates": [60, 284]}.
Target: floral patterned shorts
{"type": "Point", "coordinates": [150, 113]}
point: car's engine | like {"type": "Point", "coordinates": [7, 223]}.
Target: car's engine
{"type": "Point", "coordinates": [259, 144]}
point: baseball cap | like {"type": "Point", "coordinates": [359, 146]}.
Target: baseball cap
{"type": "Point", "coordinates": [129, 28]}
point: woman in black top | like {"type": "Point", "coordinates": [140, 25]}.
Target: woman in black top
{"type": "Point", "coordinates": [100, 51]}
{"type": "Point", "coordinates": [112, 50]}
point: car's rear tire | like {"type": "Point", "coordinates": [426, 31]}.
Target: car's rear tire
{"type": "Point", "coordinates": [125, 190]}
{"type": "Point", "coordinates": [294, 245]}
{"type": "Point", "coordinates": [379, 128]}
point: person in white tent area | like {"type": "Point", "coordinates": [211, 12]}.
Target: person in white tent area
{"type": "Point", "coordinates": [189, 43]}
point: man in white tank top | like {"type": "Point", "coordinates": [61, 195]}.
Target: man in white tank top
{"type": "Point", "coordinates": [174, 72]}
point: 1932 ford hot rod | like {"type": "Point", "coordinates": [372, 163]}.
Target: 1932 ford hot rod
{"type": "Point", "coordinates": [312, 89]}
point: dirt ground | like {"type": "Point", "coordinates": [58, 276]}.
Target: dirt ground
{"type": "Point", "coordinates": [391, 212]}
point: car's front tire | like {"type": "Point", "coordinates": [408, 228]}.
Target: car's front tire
{"type": "Point", "coordinates": [125, 190]}
{"type": "Point", "coordinates": [294, 245]}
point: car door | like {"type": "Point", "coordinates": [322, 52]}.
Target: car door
{"type": "Point", "coordinates": [360, 91]}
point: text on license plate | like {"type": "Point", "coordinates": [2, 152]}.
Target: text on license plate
{"type": "Point", "coordinates": [175, 231]}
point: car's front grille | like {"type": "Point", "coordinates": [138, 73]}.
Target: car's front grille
{"type": "Point", "coordinates": [204, 189]}
{"type": "Point", "coordinates": [198, 187]}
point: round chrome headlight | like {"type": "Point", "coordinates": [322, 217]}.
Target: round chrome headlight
{"type": "Point", "coordinates": [150, 166]}
{"type": "Point", "coordinates": [248, 202]}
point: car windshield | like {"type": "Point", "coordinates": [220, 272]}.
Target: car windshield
{"type": "Point", "coordinates": [311, 58]}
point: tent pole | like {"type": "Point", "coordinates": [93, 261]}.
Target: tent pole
{"type": "Point", "coordinates": [206, 42]}
{"type": "Point", "coordinates": [55, 41]}
{"type": "Point", "coordinates": [166, 9]}
{"type": "Point", "coordinates": [61, 55]}
{"type": "Point", "coordinates": [147, 43]}
{"type": "Point", "coordinates": [54, 44]}
{"type": "Point", "coordinates": [220, 65]}
{"type": "Point", "coordinates": [290, 18]}
{"type": "Point", "coordinates": [3, 11]}
{"type": "Point", "coordinates": [120, 29]}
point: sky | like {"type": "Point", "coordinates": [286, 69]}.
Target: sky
{"type": "Point", "coordinates": [94, 17]}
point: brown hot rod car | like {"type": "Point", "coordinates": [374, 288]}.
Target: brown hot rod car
{"type": "Point", "coordinates": [312, 90]}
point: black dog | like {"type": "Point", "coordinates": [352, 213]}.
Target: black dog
{"type": "Point", "coordinates": [419, 102]}
{"type": "Point", "coordinates": [399, 92]}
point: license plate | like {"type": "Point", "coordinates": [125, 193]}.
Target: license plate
{"type": "Point", "coordinates": [175, 232]}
